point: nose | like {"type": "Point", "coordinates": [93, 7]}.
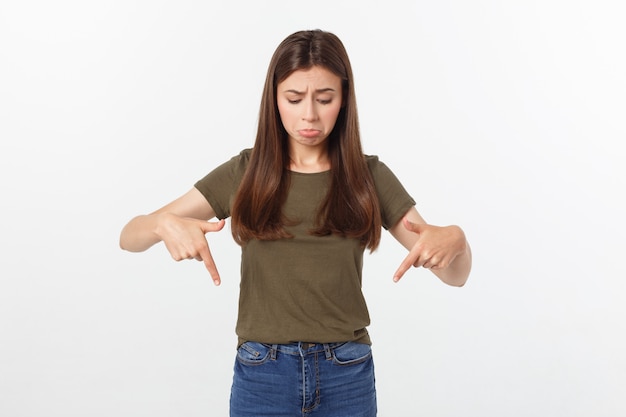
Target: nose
{"type": "Point", "coordinates": [310, 111]}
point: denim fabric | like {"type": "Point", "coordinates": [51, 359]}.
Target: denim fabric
{"type": "Point", "coordinates": [304, 380]}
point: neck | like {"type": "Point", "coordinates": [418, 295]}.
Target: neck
{"type": "Point", "coordinates": [309, 160]}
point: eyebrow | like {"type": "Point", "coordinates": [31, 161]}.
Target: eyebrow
{"type": "Point", "coordinates": [319, 90]}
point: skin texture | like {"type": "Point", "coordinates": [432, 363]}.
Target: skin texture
{"type": "Point", "coordinates": [443, 250]}
{"type": "Point", "coordinates": [308, 102]}
{"type": "Point", "coordinates": [181, 225]}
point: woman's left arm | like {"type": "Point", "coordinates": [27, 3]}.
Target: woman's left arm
{"type": "Point", "coordinates": [443, 250]}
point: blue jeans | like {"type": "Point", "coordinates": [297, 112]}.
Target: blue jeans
{"type": "Point", "coordinates": [303, 379]}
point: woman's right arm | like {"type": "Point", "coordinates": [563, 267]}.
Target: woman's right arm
{"type": "Point", "coordinates": [181, 225]}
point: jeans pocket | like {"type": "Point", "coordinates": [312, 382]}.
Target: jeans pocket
{"type": "Point", "coordinates": [351, 353]}
{"type": "Point", "coordinates": [253, 353]}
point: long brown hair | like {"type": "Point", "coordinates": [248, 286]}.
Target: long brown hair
{"type": "Point", "coordinates": [351, 206]}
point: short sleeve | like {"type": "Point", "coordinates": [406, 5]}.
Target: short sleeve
{"type": "Point", "coordinates": [393, 198]}
{"type": "Point", "coordinates": [220, 185]}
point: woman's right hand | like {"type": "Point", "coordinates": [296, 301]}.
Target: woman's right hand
{"type": "Point", "coordinates": [181, 225]}
{"type": "Point", "coordinates": [185, 238]}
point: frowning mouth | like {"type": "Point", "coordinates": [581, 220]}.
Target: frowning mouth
{"type": "Point", "coordinates": [309, 133]}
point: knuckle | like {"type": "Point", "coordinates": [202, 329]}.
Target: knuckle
{"type": "Point", "coordinates": [200, 246]}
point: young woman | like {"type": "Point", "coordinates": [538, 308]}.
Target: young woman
{"type": "Point", "coordinates": [304, 203]}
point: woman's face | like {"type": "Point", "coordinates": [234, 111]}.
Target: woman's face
{"type": "Point", "coordinates": [309, 102]}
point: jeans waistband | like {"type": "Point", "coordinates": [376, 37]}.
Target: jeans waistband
{"type": "Point", "coordinates": [303, 348]}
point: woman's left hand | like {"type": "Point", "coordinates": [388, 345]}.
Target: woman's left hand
{"type": "Point", "coordinates": [436, 247]}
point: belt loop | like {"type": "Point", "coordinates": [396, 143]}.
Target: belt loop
{"type": "Point", "coordinates": [328, 352]}
{"type": "Point", "coordinates": [273, 351]}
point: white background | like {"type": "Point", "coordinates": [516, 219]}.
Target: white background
{"type": "Point", "coordinates": [505, 117]}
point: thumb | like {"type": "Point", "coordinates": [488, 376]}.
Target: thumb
{"type": "Point", "coordinates": [213, 226]}
{"type": "Point", "coordinates": [413, 227]}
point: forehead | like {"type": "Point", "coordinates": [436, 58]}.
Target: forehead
{"type": "Point", "coordinates": [315, 77]}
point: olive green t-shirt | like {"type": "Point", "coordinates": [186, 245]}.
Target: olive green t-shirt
{"type": "Point", "coordinates": [305, 288]}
